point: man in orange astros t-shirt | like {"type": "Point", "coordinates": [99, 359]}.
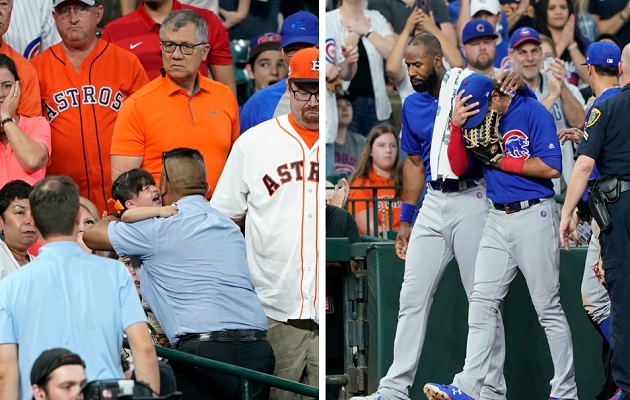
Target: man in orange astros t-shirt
{"type": "Point", "coordinates": [274, 194]}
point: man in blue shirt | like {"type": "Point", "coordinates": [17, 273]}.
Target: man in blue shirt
{"type": "Point", "coordinates": [520, 234]}
{"type": "Point", "coordinates": [196, 280]}
{"type": "Point", "coordinates": [67, 298]}
{"type": "Point", "coordinates": [299, 31]}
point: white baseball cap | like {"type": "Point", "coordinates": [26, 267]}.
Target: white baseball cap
{"type": "Point", "coordinates": [491, 6]}
{"type": "Point", "coordinates": [88, 2]}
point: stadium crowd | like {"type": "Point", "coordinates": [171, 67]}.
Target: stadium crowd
{"type": "Point", "coordinates": [128, 140]}
{"type": "Point", "coordinates": [408, 63]}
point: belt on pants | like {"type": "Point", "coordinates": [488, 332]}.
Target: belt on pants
{"type": "Point", "coordinates": [224, 336]}
{"type": "Point", "coordinates": [451, 185]}
{"type": "Point", "coordinates": [517, 206]}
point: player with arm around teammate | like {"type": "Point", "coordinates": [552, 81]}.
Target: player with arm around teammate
{"type": "Point", "coordinates": [520, 234]}
{"type": "Point", "coordinates": [448, 225]}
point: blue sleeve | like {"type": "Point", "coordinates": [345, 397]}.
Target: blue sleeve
{"type": "Point", "coordinates": [261, 106]}
{"type": "Point", "coordinates": [409, 141]}
{"type": "Point", "coordinates": [132, 311]}
{"type": "Point", "coordinates": [7, 335]}
{"type": "Point", "coordinates": [543, 137]}
{"type": "Point", "coordinates": [136, 239]}
{"type": "Point", "coordinates": [453, 10]}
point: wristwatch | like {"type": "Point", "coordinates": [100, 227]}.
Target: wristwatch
{"type": "Point", "coordinates": [368, 32]}
{"type": "Point", "coordinates": [4, 121]}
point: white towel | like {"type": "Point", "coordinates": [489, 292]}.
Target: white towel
{"type": "Point", "coordinates": [440, 166]}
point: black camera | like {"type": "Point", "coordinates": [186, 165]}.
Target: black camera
{"type": "Point", "coordinates": [122, 389]}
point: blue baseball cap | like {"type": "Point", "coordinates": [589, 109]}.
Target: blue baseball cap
{"type": "Point", "coordinates": [522, 35]}
{"type": "Point", "coordinates": [300, 27]}
{"type": "Point", "coordinates": [477, 28]}
{"type": "Point", "coordinates": [481, 87]}
{"type": "Point", "coordinates": [603, 53]}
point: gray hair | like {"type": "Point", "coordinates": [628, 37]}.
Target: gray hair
{"type": "Point", "coordinates": [180, 18]}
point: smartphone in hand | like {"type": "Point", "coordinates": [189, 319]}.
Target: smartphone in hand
{"type": "Point", "coordinates": [424, 5]}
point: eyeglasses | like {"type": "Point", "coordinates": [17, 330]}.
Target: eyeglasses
{"type": "Point", "coordinates": [185, 48]}
{"type": "Point", "coordinates": [303, 95]}
{"type": "Point", "coordinates": [80, 10]}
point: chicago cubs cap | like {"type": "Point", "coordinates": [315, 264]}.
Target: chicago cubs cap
{"type": "Point", "coordinates": [88, 2]}
{"type": "Point", "coordinates": [477, 28]}
{"type": "Point", "coordinates": [304, 66]}
{"type": "Point", "coordinates": [300, 27]}
{"type": "Point", "coordinates": [50, 360]}
{"type": "Point", "coordinates": [480, 87]}
{"type": "Point", "coordinates": [603, 53]}
{"type": "Point", "coordinates": [262, 42]}
{"type": "Point", "coordinates": [491, 6]}
{"type": "Point", "coordinates": [523, 35]}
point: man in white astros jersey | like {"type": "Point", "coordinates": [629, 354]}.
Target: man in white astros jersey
{"type": "Point", "coordinates": [274, 195]}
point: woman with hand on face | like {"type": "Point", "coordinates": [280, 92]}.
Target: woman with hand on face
{"type": "Point", "coordinates": [18, 231]}
{"type": "Point", "coordinates": [25, 149]}
{"type": "Point", "coordinates": [557, 19]}
{"type": "Point", "coordinates": [379, 165]}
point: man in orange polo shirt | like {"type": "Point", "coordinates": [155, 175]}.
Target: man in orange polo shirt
{"type": "Point", "coordinates": [30, 102]}
{"type": "Point", "coordinates": [180, 109]}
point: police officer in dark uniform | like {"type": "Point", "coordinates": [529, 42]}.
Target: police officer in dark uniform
{"type": "Point", "coordinates": [606, 143]}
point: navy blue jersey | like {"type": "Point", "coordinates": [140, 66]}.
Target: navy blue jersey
{"type": "Point", "coordinates": [418, 118]}
{"type": "Point", "coordinates": [606, 94]}
{"type": "Point", "coordinates": [605, 138]}
{"type": "Point", "coordinates": [528, 131]}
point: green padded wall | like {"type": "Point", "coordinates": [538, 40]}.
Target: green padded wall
{"type": "Point", "coordinates": [528, 367]}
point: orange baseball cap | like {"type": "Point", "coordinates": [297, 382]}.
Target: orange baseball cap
{"type": "Point", "coordinates": [304, 66]}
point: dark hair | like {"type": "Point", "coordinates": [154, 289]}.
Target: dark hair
{"type": "Point", "coordinates": [54, 205]}
{"type": "Point", "coordinates": [191, 178]}
{"type": "Point", "coordinates": [131, 183]}
{"type": "Point", "coordinates": [8, 63]}
{"type": "Point", "coordinates": [608, 36]}
{"type": "Point", "coordinates": [541, 24]}
{"type": "Point", "coordinates": [606, 70]}
{"type": "Point", "coordinates": [364, 164]}
{"type": "Point", "coordinates": [17, 189]}
{"type": "Point", "coordinates": [431, 43]}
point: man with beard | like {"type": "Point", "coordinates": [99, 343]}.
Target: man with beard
{"type": "Point", "coordinates": [277, 192]}
{"type": "Point", "coordinates": [448, 225]}
{"type": "Point", "coordinates": [562, 99]}
{"type": "Point", "coordinates": [480, 47]}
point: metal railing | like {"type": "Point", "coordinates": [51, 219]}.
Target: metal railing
{"type": "Point", "coordinates": [380, 226]}
{"type": "Point", "coordinates": [247, 375]}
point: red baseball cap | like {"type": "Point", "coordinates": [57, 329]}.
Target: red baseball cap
{"type": "Point", "coordinates": [304, 66]}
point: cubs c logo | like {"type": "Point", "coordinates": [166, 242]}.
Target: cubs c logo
{"type": "Point", "coordinates": [481, 28]}
{"type": "Point", "coordinates": [516, 144]}
{"type": "Point", "coordinates": [330, 51]}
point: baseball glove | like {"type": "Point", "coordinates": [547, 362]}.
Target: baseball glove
{"type": "Point", "coordinates": [485, 141]}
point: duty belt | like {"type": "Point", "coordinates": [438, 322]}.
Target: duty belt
{"type": "Point", "coordinates": [451, 185]}
{"type": "Point", "coordinates": [224, 336]}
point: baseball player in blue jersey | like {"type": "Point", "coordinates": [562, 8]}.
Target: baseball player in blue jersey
{"type": "Point", "coordinates": [520, 234]}
{"type": "Point", "coordinates": [449, 225]}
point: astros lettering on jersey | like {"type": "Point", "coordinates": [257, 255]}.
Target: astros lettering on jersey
{"type": "Point", "coordinates": [82, 109]}
{"type": "Point", "coordinates": [279, 186]}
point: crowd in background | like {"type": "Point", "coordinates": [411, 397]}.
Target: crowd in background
{"type": "Point", "coordinates": [367, 77]}
{"type": "Point", "coordinates": [110, 108]}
